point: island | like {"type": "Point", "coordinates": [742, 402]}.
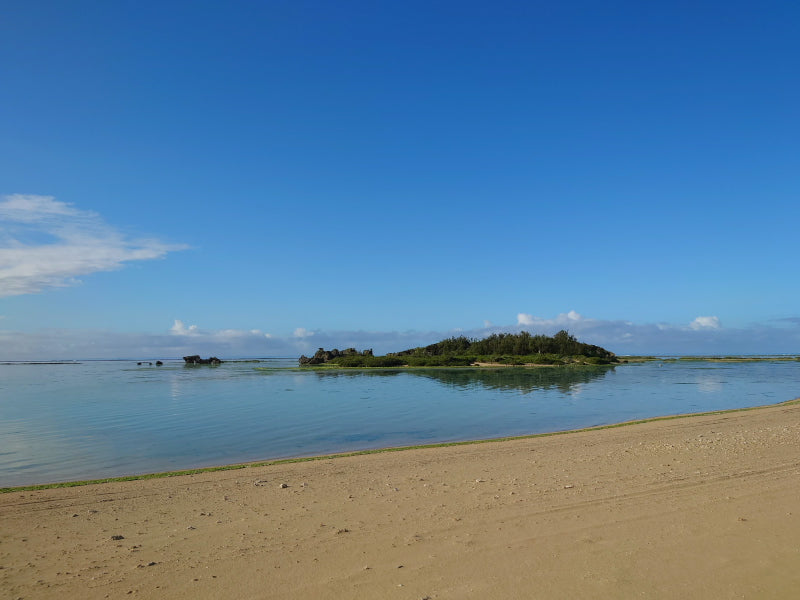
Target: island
{"type": "Point", "coordinates": [195, 359]}
{"type": "Point", "coordinates": [499, 349]}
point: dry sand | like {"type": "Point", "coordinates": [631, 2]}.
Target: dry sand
{"type": "Point", "coordinates": [698, 507]}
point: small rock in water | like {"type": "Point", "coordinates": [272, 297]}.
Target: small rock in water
{"type": "Point", "coordinates": [117, 537]}
{"type": "Point", "coordinates": [283, 486]}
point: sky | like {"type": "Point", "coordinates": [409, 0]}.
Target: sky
{"type": "Point", "coordinates": [263, 178]}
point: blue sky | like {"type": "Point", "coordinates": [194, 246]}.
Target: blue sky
{"type": "Point", "coordinates": [263, 178]}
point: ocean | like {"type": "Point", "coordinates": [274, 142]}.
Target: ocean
{"type": "Point", "coordinates": [96, 419]}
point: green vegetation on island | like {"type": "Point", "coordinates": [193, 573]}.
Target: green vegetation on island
{"type": "Point", "coordinates": [510, 349]}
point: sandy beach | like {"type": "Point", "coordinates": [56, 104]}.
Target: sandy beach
{"type": "Point", "coordinates": [696, 507]}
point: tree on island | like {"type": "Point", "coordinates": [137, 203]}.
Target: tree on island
{"type": "Point", "coordinates": [322, 356]}
{"type": "Point", "coordinates": [499, 348]}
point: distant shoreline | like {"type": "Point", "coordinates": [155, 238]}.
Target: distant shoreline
{"type": "Point", "coordinates": [239, 360]}
{"type": "Point", "coordinates": [40, 362]}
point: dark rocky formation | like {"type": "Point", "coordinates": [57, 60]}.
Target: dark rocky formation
{"type": "Point", "coordinates": [322, 356]}
{"type": "Point", "coordinates": [196, 360]}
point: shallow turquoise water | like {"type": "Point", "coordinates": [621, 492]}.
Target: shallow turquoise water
{"type": "Point", "coordinates": [109, 418]}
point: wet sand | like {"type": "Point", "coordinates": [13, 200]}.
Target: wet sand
{"type": "Point", "coordinates": [696, 507]}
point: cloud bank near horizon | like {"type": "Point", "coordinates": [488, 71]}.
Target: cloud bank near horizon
{"type": "Point", "coordinates": [49, 244]}
{"type": "Point", "coordinates": [704, 335]}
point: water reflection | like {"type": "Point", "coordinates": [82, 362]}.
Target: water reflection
{"type": "Point", "coordinates": [525, 380]}
{"type": "Point", "coordinates": [709, 384]}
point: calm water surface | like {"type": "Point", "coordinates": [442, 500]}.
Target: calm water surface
{"type": "Point", "coordinates": [108, 418]}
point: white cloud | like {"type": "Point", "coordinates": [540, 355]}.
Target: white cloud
{"type": "Point", "coordinates": [178, 328]}
{"type": "Point", "coordinates": [562, 319]}
{"type": "Point", "coordinates": [230, 336]}
{"type": "Point", "coordinates": [29, 208]}
{"type": "Point", "coordinates": [525, 319]}
{"type": "Point", "coordinates": [302, 332]}
{"type": "Point", "coordinates": [231, 333]}
{"type": "Point", "coordinates": [48, 244]}
{"type": "Point", "coordinates": [705, 323]}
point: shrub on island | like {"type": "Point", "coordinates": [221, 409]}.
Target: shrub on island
{"type": "Point", "coordinates": [503, 349]}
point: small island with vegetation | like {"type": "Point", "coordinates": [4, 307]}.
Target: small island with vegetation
{"type": "Point", "coordinates": [500, 349]}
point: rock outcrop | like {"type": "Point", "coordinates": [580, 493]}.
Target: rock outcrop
{"type": "Point", "coordinates": [196, 360]}
{"type": "Point", "coordinates": [322, 356]}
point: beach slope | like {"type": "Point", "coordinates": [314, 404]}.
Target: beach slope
{"type": "Point", "coordinates": [695, 507]}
